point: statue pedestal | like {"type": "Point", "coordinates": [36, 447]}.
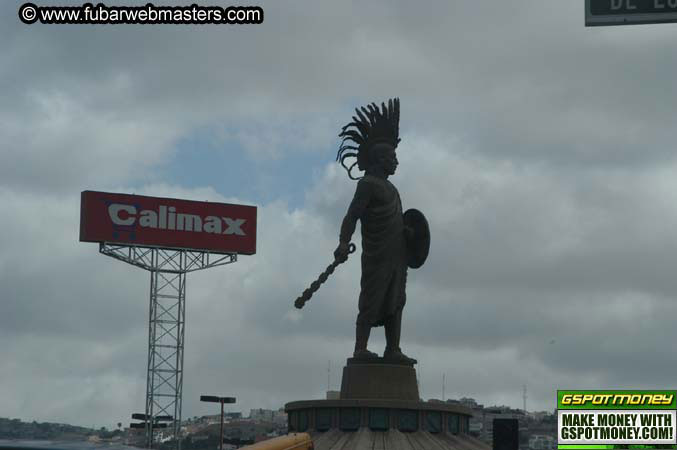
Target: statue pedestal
{"type": "Point", "coordinates": [379, 378]}
{"type": "Point", "coordinates": [380, 403]}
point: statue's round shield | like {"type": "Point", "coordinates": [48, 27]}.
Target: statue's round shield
{"type": "Point", "coordinates": [418, 244]}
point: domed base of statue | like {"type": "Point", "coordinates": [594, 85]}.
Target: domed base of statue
{"type": "Point", "coordinates": [379, 407]}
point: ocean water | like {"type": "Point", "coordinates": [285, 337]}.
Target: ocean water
{"type": "Point", "coordinates": [24, 444]}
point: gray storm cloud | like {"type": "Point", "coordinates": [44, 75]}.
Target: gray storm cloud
{"type": "Point", "coordinates": [541, 152]}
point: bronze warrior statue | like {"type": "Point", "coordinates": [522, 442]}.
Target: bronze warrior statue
{"type": "Point", "coordinates": [391, 240]}
{"type": "Point", "coordinates": [372, 138]}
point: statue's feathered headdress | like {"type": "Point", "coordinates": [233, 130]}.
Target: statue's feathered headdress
{"type": "Point", "coordinates": [371, 126]}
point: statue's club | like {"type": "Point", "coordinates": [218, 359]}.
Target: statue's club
{"type": "Point", "coordinates": [315, 285]}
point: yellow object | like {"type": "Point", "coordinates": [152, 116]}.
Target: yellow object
{"type": "Point", "coordinates": [295, 441]}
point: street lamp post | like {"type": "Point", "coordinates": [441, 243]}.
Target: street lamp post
{"type": "Point", "coordinates": [222, 400]}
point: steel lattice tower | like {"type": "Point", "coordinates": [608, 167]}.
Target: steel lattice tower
{"type": "Point", "coordinates": [166, 324]}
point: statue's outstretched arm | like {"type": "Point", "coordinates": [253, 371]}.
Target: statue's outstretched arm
{"type": "Point", "coordinates": [356, 209]}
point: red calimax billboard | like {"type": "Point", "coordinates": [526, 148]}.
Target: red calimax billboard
{"type": "Point", "coordinates": [167, 222]}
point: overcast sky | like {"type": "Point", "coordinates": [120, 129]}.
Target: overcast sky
{"type": "Point", "coordinates": [541, 152]}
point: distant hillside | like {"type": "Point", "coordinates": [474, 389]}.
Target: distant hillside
{"type": "Point", "coordinates": [16, 429]}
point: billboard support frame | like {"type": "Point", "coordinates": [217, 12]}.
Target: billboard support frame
{"type": "Point", "coordinates": [141, 256]}
{"type": "Point", "coordinates": [166, 322]}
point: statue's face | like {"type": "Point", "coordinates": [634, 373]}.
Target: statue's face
{"type": "Point", "coordinates": [386, 157]}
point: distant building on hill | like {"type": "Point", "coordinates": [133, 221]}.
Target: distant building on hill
{"type": "Point", "coordinates": [260, 414]}
{"type": "Point", "coordinates": [542, 442]}
{"type": "Point", "coordinates": [268, 415]}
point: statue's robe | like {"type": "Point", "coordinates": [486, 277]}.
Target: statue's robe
{"type": "Point", "coordinates": [384, 267]}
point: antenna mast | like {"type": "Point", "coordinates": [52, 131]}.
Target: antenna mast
{"type": "Point", "coordinates": [444, 385]}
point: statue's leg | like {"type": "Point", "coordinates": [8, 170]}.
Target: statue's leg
{"type": "Point", "coordinates": [393, 326]}
{"type": "Point", "coordinates": [362, 331]}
